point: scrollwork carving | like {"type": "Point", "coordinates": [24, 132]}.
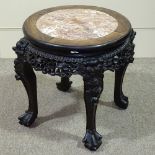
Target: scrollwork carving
{"type": "Point", "coordinates": [66, 66]}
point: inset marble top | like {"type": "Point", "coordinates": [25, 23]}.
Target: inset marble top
{"type": "Point", "coordinates": [76, 24]}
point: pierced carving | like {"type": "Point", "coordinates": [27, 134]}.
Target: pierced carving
{"type": "Point", "coordinates": [66, 66]}
{"type": "Point", "coordinates": [93, 85]}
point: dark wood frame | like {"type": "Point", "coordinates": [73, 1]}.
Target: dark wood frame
{"type": "Point", "coordinates": [88, 61]}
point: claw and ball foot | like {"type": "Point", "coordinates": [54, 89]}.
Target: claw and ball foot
{"type": "Point", "coordinates": [92, 140]}
{"type": "Point", "coordinates": [64, 85]}
{"type": "Point", "coordinates": [27, 118]}
{"type": "Point", "coordinates": [122, 102]}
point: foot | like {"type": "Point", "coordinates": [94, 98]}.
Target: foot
{"type": "Point", "coordinates": [27, 118]}
{"type": "Point", "coordinates": [122, 102]}
{"type": "Point", "coordinates": [64, 86]}
{"type": "Point", "coordinates": [125, 98]}
{"type": "Point", "coordinates": [92, 140]}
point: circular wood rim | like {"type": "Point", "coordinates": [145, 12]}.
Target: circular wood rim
{"type": "Point", "coordinates": [31, 31]}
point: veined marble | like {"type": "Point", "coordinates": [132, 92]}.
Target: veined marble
{"type": "Point", "coordinates": [77, 24]}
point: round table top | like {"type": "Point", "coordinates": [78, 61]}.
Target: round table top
{"type": "Point", "coordinates": [76, 25]}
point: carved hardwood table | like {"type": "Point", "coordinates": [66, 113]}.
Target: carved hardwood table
{"type": "Point", "coordinates": [67, 40]}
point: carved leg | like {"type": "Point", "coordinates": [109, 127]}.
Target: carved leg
{"type": "Point", "coordinates": [93, 86]}
{"type": "Point", "coordinates": [119, 98]}
{"type": "Point", "coordinates": [25, 73]}
{"type": "Point", "coordinates": [64, 85]}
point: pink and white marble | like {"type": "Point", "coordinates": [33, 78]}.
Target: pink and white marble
{"type": "Point", "coordinates": [77, 24]}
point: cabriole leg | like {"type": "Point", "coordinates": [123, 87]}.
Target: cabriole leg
{"type": "Point", "coordinates": [93, 86]}
{"type": "Point", "coordinates": [119, 98]}
{"type": "Point", "coordinates": [25, 73]}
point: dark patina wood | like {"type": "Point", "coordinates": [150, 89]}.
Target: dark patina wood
{"type": "Point", "coordinates": [89, 58]}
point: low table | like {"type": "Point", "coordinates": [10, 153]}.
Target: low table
{"type": "Point", "coordinates": [67, 40]}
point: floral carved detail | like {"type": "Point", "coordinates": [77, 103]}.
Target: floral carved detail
{"type": "Point", "coordinates": [93, 84]}
{"type": "Point", "coordinates": [19, 68]}
{"type": "Point", "coordinates": [66, 66]}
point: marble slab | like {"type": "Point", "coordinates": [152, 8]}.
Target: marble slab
{"type": "Point", "coordinates": [76, 24]}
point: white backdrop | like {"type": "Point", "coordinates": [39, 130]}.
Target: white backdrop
{"type": "Point", "coordinates": [141, 13]}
